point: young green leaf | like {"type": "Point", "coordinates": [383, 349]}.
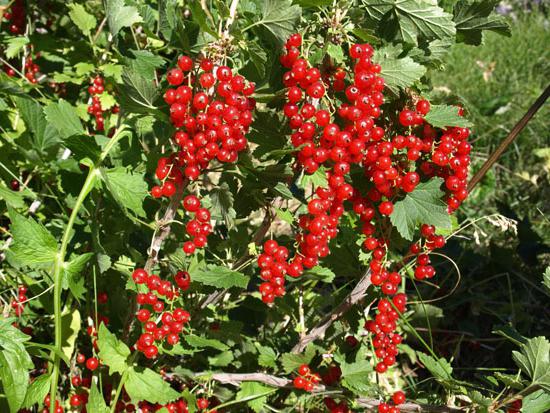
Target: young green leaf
{"type": "Point", "coordinates": [32, 243]}
{"type": "Point", "coordinates": [112, 351]}
{"type": "Point", "coordinates": [220, 277]}
{"type": "Point", "coordinates": [81, 18]}
{"type": "Point", "coordinates": [145, 384]}
{"type": "Point", "coordinates": [64, 117]}
{"type": "Point", "coordinates": [421, 206]}
{"type": "Point", "coordinates": [119, 15]}
{"type": "Point", "coordinates": [443, 116]}
{"type": "Point", "coordinates": [127, 188]}
{"type": "Point", "coordinates": [534, 360]}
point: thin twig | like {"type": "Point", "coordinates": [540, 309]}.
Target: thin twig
{"type": "Point", "coordinates": [356, 295]}
{"type": "Point", "coordinates": [509, 139]}
{"type": "Point", "coordinates": [236, 379]}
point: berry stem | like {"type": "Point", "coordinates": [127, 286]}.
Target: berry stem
{"type": "Point", "coordinates": [59, 262]}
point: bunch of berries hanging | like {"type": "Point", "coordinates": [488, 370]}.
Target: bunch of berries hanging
{"type": "Point", "coordinates": [212, 109]}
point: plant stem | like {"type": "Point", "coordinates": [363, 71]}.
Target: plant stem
{"type": "Point", "coordinates": [59, 262]}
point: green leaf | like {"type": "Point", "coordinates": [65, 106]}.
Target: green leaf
{"type": "Point", "coordinates": [442, 116]}
{"type": "Point", "coordinates": [145, 384]}
{"type": "Point", "coordinates": [14, 376]}
{"type": "Point", "coordinates": [15, 46]}
{"type": "Point", "coordinates": [83, 146]}
{"type": "Point", "coordinates": [255, 394]}
{"type": "Point", "coordinates": [37, 391]}
{"type": "Point", "coordinates": [15, 364]}
{"type": "Point", "coordinates": [278, 20]}
{"type": "Point", "coordinates": [282, 189]}
{"type": "Point", "coordinates": [81, 18]}
{"type": "Point", "coordinates": [72, 275]}
{"type": "Point", "coordinates": [510, 380]}
{"type": "Point", "coordinates": [14, 199]}
{"type": "Point", "coordinates": [322, 273]}
{"type": "Point", "coordinates": [145, 63]}
{"type": "Point", "coordinates": [44, 135]}
{"type": "Point", "coordinates": [410, 20]}
{"type": "Point", "coordinates": [398, 73]}
{"type": "Point", "coordinates": [70, 327]}
{"type": "Point", "coordinates": [534, 361]}
{"type": "Point", "coordinates": [64, 117]}
{"type": "Point", "coordinates": [137, 94]}
{"type": "Point", "coordinates": [316, 179]}
{"type": "Point", "coordinates": [267, 356]}
{"type": "Point", "coordinates": [440, 368]}
{"type": "Point", "coordinates": [222, 204]}
{"type": "Point", "coordinates": [112, 70]}
{"type": "Point", "coordinates": [537, 402]}
{"type": "Point", "coordinates": [112, 351]}
{"type": "Point", "coordinates": [220, 277]}
{"type": "Point", "coordinates": [472, 17]}
{"type": "Point", "coordinates": [120, 16]}
{"type": "Point", "coordinates": [32, 242]}
{"type": "Point", "coordinates": [421, 206]}
{"type": "Point", "coordinates": [96, 403]}
{"type": "Point", "coordinates": [221, 360]}
{"type": "Point", "coordinates": [355, 376]}
{"type": "Point", "coordinates": [202, 342]}
{"type": "Point", "coordinates": [127, 188]}
{"type": "Point", "coordinates": [285, 215]}
{"type": "Point", "coordinates": [257, 61]}
{"type": "Point", "coordinates": [291, 361]}
{"type": "Point", "coordinates": [335, 52]}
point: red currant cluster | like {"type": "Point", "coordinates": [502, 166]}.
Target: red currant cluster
{"type": "Point", "coordinates": [397, 399]}
{"type": "Point", "coordinates": [30, 69]}
{"type": "Point", "coordinates": [47, 404]}
{"type": "Point", "coordinates": [273, 267]}
{"type": "Point", "coordinates": [335, 407]}
{"type": "Point", "coordinates": [383, 327]}
{"type": "Point", "coordinates": [16, 15]}
{"type": "Point", "coordinates": [18, 304]}
{"type": "Point", "coordinates": [212, 109]}
{"type": "Point", "coordinates": [306, 380]}
{"type": "Point", "coordinates": [96, 88]}
{"type": "Point", "coordinates": [332, 375]}
{"type": "Point", "coordinates": [172, 322]}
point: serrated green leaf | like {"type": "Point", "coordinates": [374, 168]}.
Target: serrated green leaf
{"type": "Point", "coordinates": [285, 215]}
{"type": "Point", "coordinates": [421, 206]}
{"type": "Point", "coordinates": [355, 376]}
{"type": "Point", "coordinates": [398, 73]}
{"type": "Point", "coordinates": [202, 342]}
{"type": "Point", "coordinates": [323, 274]}
{"type": "Point", "coordinates": [220, 277]}
{"type": "Point", "coordinates": [72, 275]}
{"type": "Point", "coordinates": [15, 46]}
{"type": "Point", "coordinates": [12, 198]}
{"type": "Point", "coordinates": [255, 394]}
{"type": "Point", "coordinates": [32, 242]}
{"type": "Point", "coordinates": [37, 391]}
{"type": "Point", "coordinates": [316, 179]}
{"type": "Point", "coordinates": [112, 351]}
{"type": "Point", "coordinates": [440, 368]}
{"type": "Point", "coordinates": [278, 19]}
{"type": "Point", "coordinates": [81, 18]}
{"type": "Point", "coordinates": [83, 146]}
{"type": "Point", "coordinates": [127, 188]}
{"type": "Point", "coordinates": [472, 17]}
{"type": "Point", "coordinates": [443, 116]}
{"type": "Point", "coordinates": [119, 15]}
{"type": "Point", "coordinates": [112, 70]}
{"type": "Point", "coordinates": [336, 52]}
{"type": "Point", "coordinates": [291, 361]}
{"type": "Point", "coordinates": [510, 380]}
{"type": "Point", "coordinates": [44, 135]}
{"type": "Point", "coordinates": [536, 402]}
{"type": "Point", "coordinates": [96, 403]}
{"type": "Point", "coordinates": [410, 20]}
{"type": "Point", "coordinates": [221, 360]}
{"type": "Point", "coordinates": [282, 189]}
{"type": "Point", "coordinates": [145, 384]}
{"type": "Point", "coordinates": [64, 117]}
{"type": "Point", "coordinates": [137, 94]}
{"type": "Point", "coordinates": [534, 361]}
{"type": "Point", "coordinates": [267, 356]}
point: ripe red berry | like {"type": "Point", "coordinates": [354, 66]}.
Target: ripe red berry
{"type": "Point", "coordinates": [92, 363]}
